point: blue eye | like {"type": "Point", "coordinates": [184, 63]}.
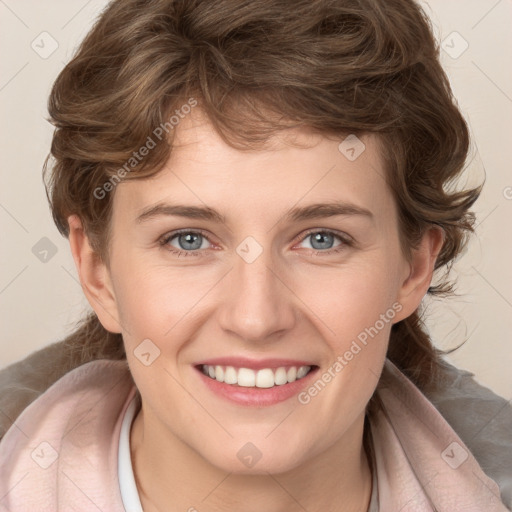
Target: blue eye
{"type": "Point", "coordinates": [321, 239]}
{"type": "Point", "coordinates": [190, 243]}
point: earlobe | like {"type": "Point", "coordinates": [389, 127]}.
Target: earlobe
{"type": "Point", "coordinates": [421, 269]}
{"type": "Point", "coordinates": [94, 276]}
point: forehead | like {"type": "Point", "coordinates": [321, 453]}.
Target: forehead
{"type": "Point", "coordinates": [296, 167]}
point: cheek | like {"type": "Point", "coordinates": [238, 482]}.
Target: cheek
{"type": "Point", "coordinates": [357, 307]}
{"type": "Point", "coordinates": [352, 298]}
{"type": "Point", "coordinates": [152, 299]}
{"type": "Point", "coordinates": [356, 328]}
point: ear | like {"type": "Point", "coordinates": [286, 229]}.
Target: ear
{"type": "Point", "coordinates": [94, 276]}
{"type": "Point", "coordinates": [421, 269]}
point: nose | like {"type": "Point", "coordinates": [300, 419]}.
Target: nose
{"type": "Point", "coordinates": [258, 304]}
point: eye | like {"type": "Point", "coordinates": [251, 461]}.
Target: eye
{"type": "Point", "coordinates": [185, 242]}
{"type": "Point", "coordinates": [193, 243]}
{"type": "Point", "coordinates": [323, 241]}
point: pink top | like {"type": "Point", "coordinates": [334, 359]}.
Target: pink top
{"type": "Point", "coordinates": [62, 451]}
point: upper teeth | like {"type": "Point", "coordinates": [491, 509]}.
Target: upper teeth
{"type": "Point", "coordinates": [264, 378]}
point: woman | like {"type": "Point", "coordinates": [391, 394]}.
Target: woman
{"type": "Point", "coordinates": [255, 198]}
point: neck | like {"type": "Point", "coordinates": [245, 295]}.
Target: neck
{"type": "Point", "coordinates": [171, 476]}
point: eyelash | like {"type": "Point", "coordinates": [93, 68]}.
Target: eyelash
{"type": "Point", "coordinates": [345, 239]}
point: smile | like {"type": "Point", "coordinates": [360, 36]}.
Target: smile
{"type": "Point", "coordinates": [262, 378]}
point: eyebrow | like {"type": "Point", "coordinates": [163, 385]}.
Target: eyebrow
{"type": "Point", "coordinates": [313, 211]}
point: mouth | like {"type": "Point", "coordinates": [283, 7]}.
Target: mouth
{"type": "Point", "coordinates": [250, 383]}
{"type": "Point", "coordinates": [263, 378]}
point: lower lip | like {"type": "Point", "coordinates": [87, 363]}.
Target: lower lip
{"type": "Point", "coordinates": [258, 397]}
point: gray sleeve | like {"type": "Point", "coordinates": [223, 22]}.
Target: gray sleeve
{"type": "Point", "coordinates": [22, 382]}
{"type": "Point", "coordinates": [483, 420]}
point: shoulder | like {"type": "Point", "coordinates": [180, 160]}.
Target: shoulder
{"type": "Point", "coordinates": [482, 419]}
{"type": "Point", "coordinates": [23, 381]}
{"type": "Point", "coordinates": [75, 419]}
{"type": "Point", "coordinates": [460, 415]}
{"type": "Point", "coordinates": [92, 382]}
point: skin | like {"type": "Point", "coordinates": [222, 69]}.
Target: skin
{"type": "Point", "coordinates": [293, 301]}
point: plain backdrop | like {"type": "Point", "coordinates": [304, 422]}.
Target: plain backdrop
{"type": "Point", "coordinates": [40, 296]}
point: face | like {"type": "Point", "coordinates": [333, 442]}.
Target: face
{"type": "Point", "coordinates": [227, 260]}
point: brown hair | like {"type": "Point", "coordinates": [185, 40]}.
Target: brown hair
{"type": "Point", "coordinates": [331, 66]}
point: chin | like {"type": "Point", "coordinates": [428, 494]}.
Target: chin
{"type": "Point", "coordinates": [247, 459]}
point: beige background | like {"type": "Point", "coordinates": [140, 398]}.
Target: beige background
{"type": "Point", "coordinates": [40, 301]}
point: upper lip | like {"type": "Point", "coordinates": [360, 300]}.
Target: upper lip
{"type": "Point", "coordinates": [254, 364]}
